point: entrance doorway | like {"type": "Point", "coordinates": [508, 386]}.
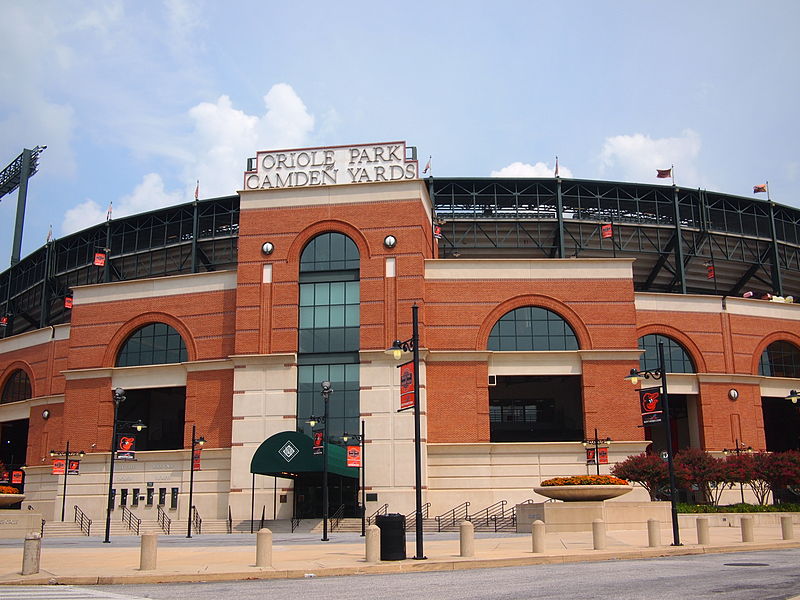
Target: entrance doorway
{"type": "Point", "coordinates": [342, 491]}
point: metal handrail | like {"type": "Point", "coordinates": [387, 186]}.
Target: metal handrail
{"type": "Point", "coordinates": [483, 516]}
{"type": "Point", "coordinates": [411, 518]}
{"type": "Point", "coordinates": [383, 510]}
{"type": "Point", "coordinates": [230, 521]}
{"type": "Point", "coordinates": [163, 519]}
{"type": "Point", "coordinates": [197, 522]}
{"type": "Point", "coordinates": [453, 516]}
{"type": "Point", "coordinates": [84, 522]}
{"type": "Point", "coordinates": [336, 518]}
{"type": "Point", "coordinates": [131, 520]}
{"type": "Point", "coordinates": [296, 523]}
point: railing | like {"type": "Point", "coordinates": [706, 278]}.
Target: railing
{"type": "Point", "coordinates": [411, 518]}
{"type": "Point", "coordinates": [163, 520]}
{"type": "Point", "coordinates": [131, 520]}
{"type": "Point", "coordinates": [453, 517]}
{"type": "Point", "coordinates": [509, 520]}
{"type": "Point", "coordinates": [197, 522]}
{"type": "Point", "coordinates": [230, 521]}
{"type": "Point", "coordinates": [84, 522]}
{"type": "Point", "coordinates": [296, 523]}
{"type": "Point", "coordinates": [381, 511]}
{"type": "Point", "coordinates": [484, 517]}
{"type": "Point", "coordinates": [336, 518]}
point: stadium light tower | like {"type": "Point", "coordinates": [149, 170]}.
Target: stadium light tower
{"type": "Point", "coordinates": [14, 176]}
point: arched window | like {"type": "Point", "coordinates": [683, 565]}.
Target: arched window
{"type": "Point", "coordinates": [17, 388]}
{"type": "Point", "coordinates": [676, 359]}
{"type": "Point", "coordinates": [153, 344]}
{"type": "Point", "coordinates": [532, 328]}
{"type": "Point", "coordinates": [330, 252]}
{"type": "Point", "coordinates": [780, 359]}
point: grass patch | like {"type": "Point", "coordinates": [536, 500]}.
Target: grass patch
{"type": "Point", "coordinates": [737, 508]}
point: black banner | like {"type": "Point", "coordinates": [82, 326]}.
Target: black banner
{"type": "Point", "coordinates": [650, 402]}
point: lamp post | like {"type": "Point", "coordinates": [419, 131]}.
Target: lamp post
{"type": "Point", "coordinates": [118, 395]}
{"type": "Point", "coordinates": [661, 373]}
{"type": "Point", "coordinates": [360, 439]}
{"type": "Point", "coordinates": [326, 392]}
{"type": "Point", "coordinates": [397, 350]}
{"type": "Point", "coordinates": [738, 450]}
{"type": "Point", "coordinates": [66, 454]}
{"type": "Point", "coordinates": [596, 443]}
{"type": "Point", "coordinates": [195, 442]}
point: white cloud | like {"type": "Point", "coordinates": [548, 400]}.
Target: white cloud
{"type": "Point", "coordinates": [540, 169]}
{"type": "Point", "coordinates": [148, 195]}
{"type": "Point", "coordinates": [636, 157]}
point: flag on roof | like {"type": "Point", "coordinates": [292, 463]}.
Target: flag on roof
{"type": "Point", "coordinates": [197, 190]}
{"type": "Point", "coordinates": [108, 212]}
{"type": "Point", "coordinates": [427, 166]}
{"type": "Point", "coordinates": [760, 188]}
{"type": "Point", "coordinates": [556, 172]}
{"type": "Point", "coordinates": [663, 173]}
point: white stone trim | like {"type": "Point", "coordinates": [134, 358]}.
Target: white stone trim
{"type": "Point", "coordinates": [537, 268]}
{"type": "Point", "coordinates": [156, 287]}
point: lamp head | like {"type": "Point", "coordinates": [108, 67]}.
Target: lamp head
{"type": "Point", "coordinates": [396, 350]}
{"type": "Point", "coordinates": [81, 453]}
{"type": "Point", "coordinates": [312, 421]}
{"type": "Point", "coordinates": [345, 437]}
{"type": "Point", "coordinates": [793, 396]}
{"type": "Point", "coordinates": [138, 426]}
{"type": "Point", "coordinates": [633, 377]}
{"type": "Point", "coordinates": [326, 387]}
{"type": "Point", "coordinates": [201, 440]}
{"type": "Point", "coordinates": [52, 452]}
{"type": "Point", "coordinates": [119, 395]}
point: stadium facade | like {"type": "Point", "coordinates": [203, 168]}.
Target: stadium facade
{"type": "Point", "coordinates": [536, 297]}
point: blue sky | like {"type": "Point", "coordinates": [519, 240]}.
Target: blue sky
{"type": "Point", "coordinates": [138, 100]}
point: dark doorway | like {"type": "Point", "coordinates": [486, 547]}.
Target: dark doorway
{"type": "Point", "coordinates": [528, 408]}
{"type": "Point", "coordinates": [781, 424]}
{"type": "Point", "coordinates": [162, 410]}
{"type": "Point", "coordinates": [14, 447]}
{"type": "Point", "coordinates": [341, 491]}
{"type": "Point", "coordinates": [679, 414]}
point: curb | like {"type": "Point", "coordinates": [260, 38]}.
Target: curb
{"type": "Point", "coordinates": [400, 567]}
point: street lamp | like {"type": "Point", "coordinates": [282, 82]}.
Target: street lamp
{"type": "Point", "coordinates": [118, 395]}
{"type": "Point", "coordinates": [793, 396]}
{"type": "Point", "coordinates": [596, 443]}
{"type": "Point", "coordinates": [326, 392]}
{"type": "Point", "coordinates": [360, 439]}
{"type": "Point", "coordinates": [738, 450]}
{"type": "Point", "coordinates": [195, 442]}
{"type": "Point", "coordinates": [397, 350]}
{"type": "Point", "coordinates": [66, 454]}
{"type": "Point", "coordinates": [661, 373]}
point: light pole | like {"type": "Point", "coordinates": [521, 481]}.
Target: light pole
{"type": "Point", "coordinates": [737, 451]}
{"type": "Point", "coordinates": [66, 454]}
{"type": "Point", "coordinates": [397, 350]}
{"type": "Point", "coordinates": [326, 392]}
{"type": "Point", "coordinates": [596, 443]}
{"type": "Point", "coordinates": [661, 373]}
{"type": "Point", "coordinates": [118, 395]}
{"type": "Point", "coordinates": [360, 439]}
{"type": "Point", "coordinates": [195, 442]}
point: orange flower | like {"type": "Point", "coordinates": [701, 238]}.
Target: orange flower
{"type": "Point", "coordinates": [585, 480]}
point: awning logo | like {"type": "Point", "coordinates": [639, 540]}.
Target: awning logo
{"type": "Point", "coordinates": [289, 451]}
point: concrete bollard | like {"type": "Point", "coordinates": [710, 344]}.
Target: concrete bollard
{"type": "Point", "coordinates": [148, 552]}
{"type": "Point", "coordinates": [466, 532]}
{"type": "Point", "coordinates": [787, 528]}
{"type": "Point", "coordinates": [32, 553]}
{"type": "Point", "coordinates": [702, 531]}
{"type": "Point", "coordinates": [747, 529]}
{"type": "Point", "coordinates": [653, 533]}
{"type": "Point", "coordinates": [372, 541]}
{"type": "Point", "coordinates": [537, 536]}
{"type": "Point", "coordinates": [264, 548]}
{"type": "Point", "coordinates": [599, 534]}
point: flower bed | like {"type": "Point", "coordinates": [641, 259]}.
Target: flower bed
{"type": "Point", "coordinates": [585, 480]}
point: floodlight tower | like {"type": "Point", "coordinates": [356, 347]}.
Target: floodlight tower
{"type": "Point", "coordinates": [14, 176]}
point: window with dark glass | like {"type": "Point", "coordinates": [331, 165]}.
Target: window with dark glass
{"type": "Point", "coordinates": [676, 359]}
{"type": "Point", "coordinates": [532, 328]}
{"type": "Point", "coordinates": [780, 359]}
{"type": "Point", "coordinates": [153, 344]}
{"type": "Point", "coordinates": [17, 388]}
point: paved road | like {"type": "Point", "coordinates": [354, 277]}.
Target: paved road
{"type": "Point", "coordinates": [766, 575]}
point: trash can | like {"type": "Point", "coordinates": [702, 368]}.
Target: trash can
{"type": "Point", "coordinates": [393, 536]}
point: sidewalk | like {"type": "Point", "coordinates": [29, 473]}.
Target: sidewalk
{"type": "Point", "coordinates": [233, 557]}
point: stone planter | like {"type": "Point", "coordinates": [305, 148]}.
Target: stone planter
{"type": "Point", "coordinates": [9, 499]}
{"type": "Point", "coordinates": [582, 493]}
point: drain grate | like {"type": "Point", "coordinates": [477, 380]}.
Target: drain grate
{"type": "Point", "coordinates": [745, 564]}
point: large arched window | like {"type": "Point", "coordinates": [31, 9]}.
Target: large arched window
{"type": "Point", "coordinates": [532, 328]}
{"type": "Point", "coordinates": [153, 344]}
{"type": "Point", "coordinates": [17, 388]}
{"type": "Point", "coordinates": [780, 359]}
{"type": "Point", "coordinates": [676, 359]}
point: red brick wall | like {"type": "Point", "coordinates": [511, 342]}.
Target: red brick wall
{"type": "Point", "coordinates": [458, 402]}
{"type": "Point", "coordinates": [209, 406]}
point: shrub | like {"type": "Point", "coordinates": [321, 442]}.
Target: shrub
{"type": "Point", "coordinates": [697, 469]}
{"type": "Point", "coordinates": [648, 470]}
{"type": "Point", "coordinates": [585, 480]}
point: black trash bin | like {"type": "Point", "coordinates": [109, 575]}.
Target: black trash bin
{"type": "Point", "coordinates": [393, 536]}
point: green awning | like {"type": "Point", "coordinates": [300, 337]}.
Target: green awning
{"type": "Point", "coordinates": [289, 453]}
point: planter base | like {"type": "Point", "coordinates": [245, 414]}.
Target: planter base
{"type": "Point", "coordinates": [578, 516]}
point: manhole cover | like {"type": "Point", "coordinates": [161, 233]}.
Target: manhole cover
{"type": "Point", "coordinates": [745, 564]}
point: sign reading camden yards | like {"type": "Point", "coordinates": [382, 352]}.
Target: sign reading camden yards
{"type": "Point", "coordinates": [406, 385]}
{"type": "Point", "coordinates": [336, 165]}
{"type": "Point", "coordinates": [650, 402]}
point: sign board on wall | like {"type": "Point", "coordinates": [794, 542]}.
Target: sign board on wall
{"type": "Point", "coordinates": [335, 165]}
